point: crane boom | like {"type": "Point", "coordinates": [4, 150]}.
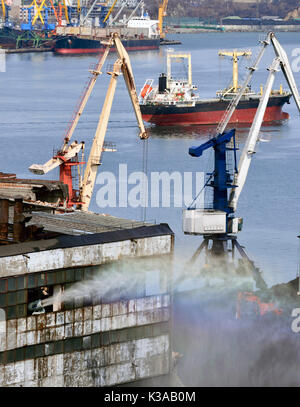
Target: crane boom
{"type": "Point", "coordinates": [249, 149]}
{"type": "Point", "coordinates": [66, 11]}
{"type": "Point", "coordinates": [122, 65]}
{"type": "Point", "coordinates": [286, 69]}
{"type": "Point", "coordinates": [38, 12]}
{"type": "Point", "coordinates": [281, 61]}
{"type": "Point", "coordinates": [72, 151]}
{"type": "Point", "coordinates": [130, 84]}
{"type": "Point", "coordinates": [110, 10]}
{"type": "Point", "coordinates": [89, 12]}
{"type": "Point", "coordinates": [124, 4]}
{"type": "Point", "coordinates": [3, 8]}
{"type": "Point", "coordinates": [67, 150]}
{"type": "Point", "coordinates": [63, 158]}
{"type": "Point", "coordinates": [140, 4]}
{"type": "Point", "coordinates": [97, 146]}
{"type": "Point", "coordinates": [95, 73]}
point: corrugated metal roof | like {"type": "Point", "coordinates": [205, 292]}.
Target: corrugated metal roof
{"type": "Point", "coordinates": [65, 241]}
{"type": "Point", "coordinates": [80, 223]}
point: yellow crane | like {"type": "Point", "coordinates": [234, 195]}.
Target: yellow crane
{"type": "Point", "coordinates": [66, 11]}
{"type": "Point", "coordinates": [110, 10]}
{"type": "Point", "coordinates": [3, 9]}
{"type": "Point", "coordinates": [235, 54]}
{"type": "Point", "coordinates": [38, 12]}
{"type": "Point", "coordinates": [69, 151]}
{"type": "Point", "coordinates": [162, 12]}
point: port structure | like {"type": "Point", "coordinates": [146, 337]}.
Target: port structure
{"type": "Point", "coordinates": [218, 223]}
{"type": "Point", "coordinates": [67, 157]}
{"type": "Point", "coordinates": [38, 11]}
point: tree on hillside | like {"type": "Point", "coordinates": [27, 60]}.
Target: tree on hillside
{"type": "Point", "coordinates": [218, 9]}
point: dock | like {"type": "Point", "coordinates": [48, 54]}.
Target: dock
{"type": "Point", "coordinates": [25, 50]}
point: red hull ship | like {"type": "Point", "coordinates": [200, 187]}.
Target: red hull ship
{"type": "Point", "coordinates": [174, 102]}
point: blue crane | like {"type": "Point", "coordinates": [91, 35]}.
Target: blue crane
{"type": "Point", "coordinates": [222, 179]}
{"type": "Point", "coordinates": [219, 224]}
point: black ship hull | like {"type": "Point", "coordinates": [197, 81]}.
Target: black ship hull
{"type": "Point", "coordinates": [211, 111]}
{"type": "Point", "coordinates": [74, 45]}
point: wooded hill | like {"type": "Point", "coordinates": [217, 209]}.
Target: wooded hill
{"type": "Point", "coordinates": [216, 9]}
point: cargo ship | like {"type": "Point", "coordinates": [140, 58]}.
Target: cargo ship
{"type": "Point", "coordinates": [140, 34]}
{"type": "Point", "coordinates": [76, 45]}
{"type": "Point", "coordinates": [175, 101]}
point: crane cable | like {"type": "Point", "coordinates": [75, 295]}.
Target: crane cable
{"type": "Point", "coordinates": [144, 197]}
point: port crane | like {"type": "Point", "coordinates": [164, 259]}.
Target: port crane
{"type": "Point", "coordinates": [235, 54]}
{"type": "Point", "coordinates": [6, 6]}
{"type": "Point", "coordinates": [217, 223]}
{"type": "Point", "coordinates": [162, 12]}
{"type": "Point", "coordinates": [280, 53]}
{"type": "Point", "coordinates": [114, 19]}
{"type": "Point", "coordinates": [67, 156]}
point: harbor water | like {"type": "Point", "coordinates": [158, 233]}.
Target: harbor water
{"type": "Point", "coordinates": [39, 93]}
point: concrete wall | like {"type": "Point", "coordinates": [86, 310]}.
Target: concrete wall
{"type": "Point", "coordinates": [106, 344]}
{"type": "Point", "coordinates": [117, 364]}
{"type": "Point", "coordinates": [133, 336]}
{"type": "Point", "coordinates": [83, 256]}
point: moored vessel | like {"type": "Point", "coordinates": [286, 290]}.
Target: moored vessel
{"type": "Point", "coordinates": [141, 33]}
{"type": "Point", "coordinates": [176, 102]}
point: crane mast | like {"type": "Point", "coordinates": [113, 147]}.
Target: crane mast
{"type": "Point", "coordinates": [235, 54]}
{"type": "Point", "coordinates": [162, 12]}
{"type": "Point", "coordinates": [235, 101]}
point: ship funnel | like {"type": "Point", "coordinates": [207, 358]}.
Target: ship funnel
{"type": "Point", "coordinates": [162, 83]}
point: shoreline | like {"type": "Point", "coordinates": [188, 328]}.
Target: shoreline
{"type": "Point", "coordinates": [224, 29]}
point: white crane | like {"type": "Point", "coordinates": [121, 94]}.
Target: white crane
{"type": "Point", "coordinates": [281, 61]}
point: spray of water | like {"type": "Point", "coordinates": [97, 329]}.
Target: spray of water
{"type": "Point", "coordinates": [119, 282]}
{"type": "Point", "coordinates": [217, 349]}
{"type": "Point", "coordinates": [111, 283]}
